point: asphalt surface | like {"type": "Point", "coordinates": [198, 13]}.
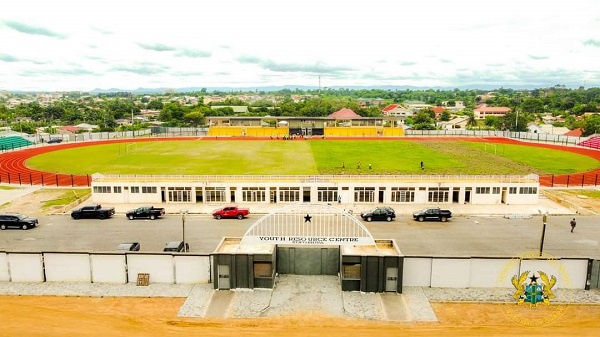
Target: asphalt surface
{"type": "Point", "coordinates": [467, 235]}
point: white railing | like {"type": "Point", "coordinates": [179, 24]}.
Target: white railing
{"type": "Point", "coordinates": [307, 179]}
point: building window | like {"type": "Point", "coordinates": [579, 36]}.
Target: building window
{"type": "Point", "coordinates": [364, 194]}
{"type": "Point", "coordinates": [527, 190]}
{"type": "Point", "coordinates": [263, 269]}
{"type": "Point", "coordinates": [327, 194]}
{"type": "Point", "coordinates": [438, 194]}
{"type": "Point", "coordinates": [254, 194]}
{"type": "Point", "coordinates": [101, 189]}
{"type": "Point", "coordinates": [135, 189]}
{"type": "Point", "coordinates": [351, 271]}
{"type": "Point", "coordinates": [512, 190]}
{"type": "Point", "coordinates": [215, 194]}
{"type": "Point", "coordinates": [116, 189]}
{"type": "Point", "coordinates": [403, 194]}
{"type": "Point", "coordinates": [149, 189]}
{"type": "Point", "coordinates": [496, 190]}
{"type": "Point", "coordinates": [482, 190]}
{"type": "Point", "coordinates": [289, 194]}
{"type": "Point", "coordinates": [180, 194]}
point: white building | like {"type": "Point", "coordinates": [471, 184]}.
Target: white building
{"type": "Point", "coordinates": [415, 189]}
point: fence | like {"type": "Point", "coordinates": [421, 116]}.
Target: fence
{"type": "Point", "coordinates": [570, 180]}
{"type": "Point", "coordinates": [45, 179]}
{"type": "Point", "coordinates": [529, 136]}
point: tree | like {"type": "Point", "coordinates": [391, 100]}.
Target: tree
{"type": "Point", "coordinates": [423, 121]}
{"type": "Point", "coordinates": [155, 105]}
{"type": "Point", "coordinates": [510, 121]}
{"type": "Point", "coordinates": [445, 116]}
{"type": "Point", "coordinates": [195, 118]}
{"type": "Point", "coordinates": [591, 125]}
{"type": "Point", "coordinates": [472, 121]}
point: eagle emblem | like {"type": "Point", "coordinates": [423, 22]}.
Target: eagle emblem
{"type": "Point", "coordinates": [533, 292]}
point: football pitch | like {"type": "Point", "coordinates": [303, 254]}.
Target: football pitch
{"type": "Point", "coordinates": [308, 157]}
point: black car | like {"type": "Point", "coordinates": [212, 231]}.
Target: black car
{"type": "Point", "coordinates": [176, 246]}
{"type": "Point", "coordinates": [55, 140]}
{"type": "Point", "coordinates": [379, 213]}
{"type": "Point", "coordinates": [17, 221]}
{"type": "Point", "coordinates": [129, 246]}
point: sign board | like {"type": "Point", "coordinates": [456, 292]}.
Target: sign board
{"type": "Point", "coordinates": [143, 279]}
{"type": "Point", "coordinates": [307, 240]}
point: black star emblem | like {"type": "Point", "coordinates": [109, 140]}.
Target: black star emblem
{"type": "Point", "coordinates": [307, 218]}
{"type": "Point", "coordinates": [533, 278]}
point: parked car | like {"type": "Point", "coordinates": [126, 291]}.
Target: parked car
{"type": "Point", "coordinates": [15, 220]}
{"type": "Point", "coordinates": [176, 246]}
{"type": "Point", "coordinates": [129, 246]}
{"type": "Point", "coordinates": [146, 212]}
{"type": "Point", "coordinates": [432, 213]}
{"type": "Point", "coordinates": [55, 140]}
{"type": "Point", "coordinates": [92, 212]}
{"type": "Point", "coordinates": [230, 212]}
{"type": "Point", "coordinates": [379, 213]}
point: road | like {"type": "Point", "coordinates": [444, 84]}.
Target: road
{"type": "Point", "coordinates": [462, 236]}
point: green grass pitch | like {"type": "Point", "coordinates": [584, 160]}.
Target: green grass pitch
{"type": "Point", "coordinates": [311, 157]}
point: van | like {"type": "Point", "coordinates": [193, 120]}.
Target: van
{"type": "Point", "coordinates": [176, 246]}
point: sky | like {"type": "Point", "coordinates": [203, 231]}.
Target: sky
{"type": "Point", "coordinates": [65, 45]}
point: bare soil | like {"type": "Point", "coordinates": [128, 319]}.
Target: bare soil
{"type": "Point", "coordinates": [77, 316]}
{"type": "Point", "coordinates": [33, 203]}
{"type": "Point", "coordinates": [586, 205]}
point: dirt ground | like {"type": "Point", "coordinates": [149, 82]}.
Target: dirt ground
{"type": "Point", "coordinates": [76, 316]}
{"type": "Point", "coordinates": [576, 200]}
{"type": "Point", "coordinates": [32, 204]}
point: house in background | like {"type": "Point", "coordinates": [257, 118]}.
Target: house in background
{"type": "Point", "coordinates": [459, 122]}
{"type": "Point", "coordinates": [483, 110]}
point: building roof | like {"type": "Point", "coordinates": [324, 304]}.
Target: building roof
{"type": "Point", "coordinates": [437, 109]}
{"type": "Point", "coordinates": [492, 109]}
{"type": "Point", "coordinates": [68, 128]}
{"type": "Point", "coordinates": [390, 107]}
{"type": "Point", "coordinates": [344, 113]}
{"type": "Point", "coordinates": [574, 133]}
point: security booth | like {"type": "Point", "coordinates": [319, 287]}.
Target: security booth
{"type": "Point", "coordinates": [243, 266]}
{"type": "Point", "coordinates": [308, 240]}
{"type": "Point", "coordinates": [374, 268]}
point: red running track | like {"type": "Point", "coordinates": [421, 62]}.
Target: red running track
{"type": "Point", "coordinates": [14, 171]}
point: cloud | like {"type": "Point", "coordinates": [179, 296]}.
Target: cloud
{"type": "Point", "coordinates": [538, 57]}
{"type": "Point", "coordinates": [144, 69]}
{"type": "Point", "coordinates": [32, 30]}
{"type": "Point", "coordinates": [290, 67]}
{"type": "Point", "coordinates": [156, 47]}
{"type": "Point", "coordinates": [58, 72]}
{"type": "Point", "coordinates": [407, 63]}
{"type": "Point", "coordinates": [592, 42]}
{"type": "Point", "coordinates": [8, 58]}
{"type": "Point", "coordinates": [193, 53]}
{"type": "Point", "coordinates": [102, 31]}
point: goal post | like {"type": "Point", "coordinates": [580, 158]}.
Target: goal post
{"type": "Point", "coordinates": [130, 147]}
{"type": "Point", "coordinates": [492, 147]}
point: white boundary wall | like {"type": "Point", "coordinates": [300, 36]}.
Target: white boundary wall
{"type": "Point", "coordinates": [450, 272]}
{"type": "Point", "coordinates": [109, 268]}
{"type": "Point", "coordinates": [4, 275]}
{"type": "Point", "coordinates": [482, 272]}
{"type": "Point", "coordinates": [67, 267]}
{"type": "Point", "coordinates": [26, 267]}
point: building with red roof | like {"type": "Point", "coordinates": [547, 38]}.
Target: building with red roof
{"type": "Point", "coordinates": [344, 113]}
{"type": "Point", "coordinates": [483, 110]}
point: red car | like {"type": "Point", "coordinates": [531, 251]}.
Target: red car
{"type": "Point", "coordinates": [230, 212]}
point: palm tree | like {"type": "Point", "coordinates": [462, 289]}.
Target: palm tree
{"type": "Point", "coordinates": [472, 121]}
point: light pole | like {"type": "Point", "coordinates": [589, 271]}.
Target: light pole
{"type": "Point", "coordinates": [183, 213]}
{"type": "Point", "coordinates": [544, 219]}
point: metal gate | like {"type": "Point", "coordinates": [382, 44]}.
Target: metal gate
{"type": "Point", "coordinates": [308, 261]}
